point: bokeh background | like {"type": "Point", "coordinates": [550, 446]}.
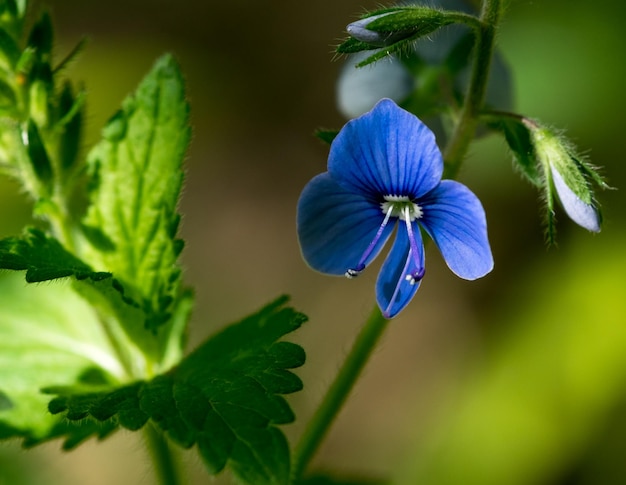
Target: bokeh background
{"type": "Point", "coordinates": [519, 378]}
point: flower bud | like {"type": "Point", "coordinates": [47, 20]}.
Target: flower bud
{"type": "Point", "coordinates": [569, 176]}
{"type": "Point", "coordinates": [359, 31]}
{"type": "Point", "coordinates": [389, 27]}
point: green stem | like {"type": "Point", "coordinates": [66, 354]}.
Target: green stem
{"type": "Point", "coordinates": [338, 392]}
{"type": "Point", "coordinates": [165, 466]}
{"type": "Point", "coordinates": [468, 119]}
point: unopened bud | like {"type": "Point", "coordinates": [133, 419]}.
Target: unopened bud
{"type": "Point", "coordinates": [387, 28]}
{"type": "Point", "coordinates": [569, 176]}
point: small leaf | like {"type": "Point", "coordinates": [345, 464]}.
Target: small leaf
{"type": "Point", "coordinates": [327, 136]}
{"type": "Point", "coordinates": [136, 176]}
{"type": "Point", "coordinates": [225, 397]}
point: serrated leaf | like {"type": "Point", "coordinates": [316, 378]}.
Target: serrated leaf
{"type": "Point", "coordinates": [136, 177]}
{"type": "Point", "coordinates": [225, 397]}
{"type": "Point", "coordinates": [48, 335]}
{"type": "Point", "coordinates": [43, 258]}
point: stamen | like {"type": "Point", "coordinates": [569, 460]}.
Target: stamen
{"type": "Point", "coordinates": [354, 272]}
{"type": "Point", "coordinates": [418, 274]}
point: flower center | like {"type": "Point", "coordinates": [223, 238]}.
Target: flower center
{"type": "Point", "coordinates": [403, 208]}
{"type": "Point", "coordinates": [397, 205]}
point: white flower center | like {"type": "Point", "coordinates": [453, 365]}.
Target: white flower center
{"type": "Point", "coordinates": [397, 205]}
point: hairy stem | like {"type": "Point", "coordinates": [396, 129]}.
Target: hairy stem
{"type": "Point", "coordinates": [164, 463]}
{"type": "Point", "coordinates": [466, 125]}
{"type": "Point", "coordinates": [338, 392]}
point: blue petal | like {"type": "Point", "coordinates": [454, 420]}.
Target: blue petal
{"type": "Point", "coordinates": [393, 291]}
{"type": "Point", "coordinates": [335, 226]}
{"type": "Point", "coordinates": [455, 219]}
{"type": "Point", "coordinates": [583, 214]}
{"type": "Point", "coordinates": [387, 151]}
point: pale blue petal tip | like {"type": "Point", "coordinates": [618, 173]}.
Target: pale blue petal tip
{"type": "Point", "coordinates": [583, 214]}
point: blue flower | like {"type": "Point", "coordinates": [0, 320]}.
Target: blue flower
{"type": "Point", "coordinates": [385, 168]}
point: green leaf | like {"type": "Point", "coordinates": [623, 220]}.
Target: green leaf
{"type": "Point", "coordinates": [327, 136]}
{"type": "Point", "coordinates": [48, 335]}
{"type": "Point", "coordinates": [225, 397]}
{"type": "Point", "coordinates": [43, 258]}
{"type": "Point", "coordinates": [136, 176]}
{"type": "Point", "coordinates": [520, 143]}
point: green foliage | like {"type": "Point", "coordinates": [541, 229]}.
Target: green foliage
{"type": "Point", "coordinates": [43, 258]}
{"type": "Point", "coordinates": [136, 176]}
{"type": "Point", "coordinates": [48, 334]}
{"type": "Point", "coordinates": [225, 397]}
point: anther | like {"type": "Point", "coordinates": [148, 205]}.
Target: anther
{"type": "Point", "coordinates": [352, 273]}
{"type": "Point", "coordinates": [416, 276]}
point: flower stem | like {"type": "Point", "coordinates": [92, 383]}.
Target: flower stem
{"type": "Point", "coordinates": [338, 392]}
{"type": "Point", "coordinates": [468, 119]}
{"type": "Point", "coordinates": [163, 460]}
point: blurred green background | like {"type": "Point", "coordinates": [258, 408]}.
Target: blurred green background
{"type": "Point", "coordinates": [519, 378]}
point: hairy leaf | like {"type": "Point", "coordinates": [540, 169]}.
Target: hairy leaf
{"type": "Point", "coordinates": [225, 397]}
{"type": "Point", "coordinates": [136, 177]}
